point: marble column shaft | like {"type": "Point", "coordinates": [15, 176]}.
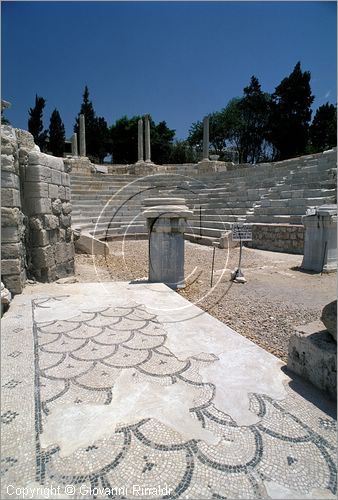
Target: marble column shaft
{"type": "Point", "coordinates": [140, 141]}
{"type": "Point", "coordinates": [74, 145]}
{"type": "Point", "coordinates": [82, 136]}
{"type": "Point", "coordinates": [147, 138]}
{"type": "Point", "coordinates": [206, 138]}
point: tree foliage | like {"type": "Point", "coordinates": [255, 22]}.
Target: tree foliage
{"type": "Point", "coordinates": [98, 142]}
{"type": "Point", "coordinates": [124, 135]}
{"type": "Point", "coordinates": [35, 122]}
{"type": "Point", "coordinates": [323, 130]}
{"type": "Point", "coordinates": [291, 114]}
{"type": "Point", "coordinates": [182, 152]}
{"type": "Point", "coordinates": [56, 134]}
{"type": "Point", "coordinates": [241, 125]}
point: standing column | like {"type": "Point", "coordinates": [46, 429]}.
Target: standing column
{"type": "Point", "coordinates": [140, 141]}
{"type": "Point", "coordinates": [206, 138]}
{"type": "Point", "coordinates": [147, 137]}
{"type": "Point", "coordinates": [74, 145]}
{"type": "Point", "coordinates": [82, 136]}
{"type": "Point", "coordinates": [166, 221]}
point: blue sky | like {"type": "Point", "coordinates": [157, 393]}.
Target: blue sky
{"type": "Point", "coordinates": [175, 60]}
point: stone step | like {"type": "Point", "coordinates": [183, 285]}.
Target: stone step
{"type": "Point", "coordinates": [201, 240]}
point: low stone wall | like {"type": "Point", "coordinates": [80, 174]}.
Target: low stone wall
{"type": "Point", "coordinates": [278, 237]}
{"type": "Point", "coordinates": [46, 199]}
{"type": "Point", "coordinates": [13, 254]}
{"type": "Point", "coordinates": [37, 238]}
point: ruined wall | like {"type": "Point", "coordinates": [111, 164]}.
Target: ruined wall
{"type": "Point", "coordinates": [13, 255]}
{"type": "Point", "coordinates": [46, 203]}
{"type": "Point", "coordinates": [278, 237]}
{"type": "Point", "coordinates": [37, 239]}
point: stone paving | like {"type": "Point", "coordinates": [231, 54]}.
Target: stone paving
{"type": "Point", "coordinates": [120, 390]}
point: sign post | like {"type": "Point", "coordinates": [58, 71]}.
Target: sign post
{"type": "Point", "coordinates": [240, 232]}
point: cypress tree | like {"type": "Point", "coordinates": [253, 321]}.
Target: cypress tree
{"type": "Point", "coordinates": [35, 122]}
{"type": "Point", "coordinates": [56, 134]}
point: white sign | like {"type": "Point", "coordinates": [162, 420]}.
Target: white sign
{"type": "Point", "coordinates": [311, 211]}
{"type": "Point", "coordinates": [241, 232]}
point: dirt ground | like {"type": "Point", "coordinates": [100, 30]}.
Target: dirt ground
{"type": "Point", "coordinates": [276, 297]}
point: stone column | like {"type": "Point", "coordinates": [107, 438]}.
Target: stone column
{"type": "Point", "coordinates": [74, 145]}
{"type": "Point", "coordinates": [166, 221]}
{"type": "Point", "coordinates": [140, 141]}
{"type": "Point", "coordinates": [82, 136]}
{"type": "Point", "coordinates": [205, 138]}
{"type": "Point", "coordinates": [320, 241]}
{"type": "Point", "coordinates": [147, 138]}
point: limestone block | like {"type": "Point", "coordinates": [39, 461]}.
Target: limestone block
{"type": "Point", "coordinates": [54, 236]}
{"type": "Point", "coordinates": [11, 217]}
{"type": "Point", "coordinates": [35, 223]}
{"type": "Point", "coordinates": [53, 191]}
{"type": "Point", "coordinates": [66, 208]}
{"type": "Point", "coordinates": [7, 161]}
{"type": "Point", "coordinates": [50, 221]}
{"type": "Point", "coordinates": [11, 250]}
{"type": "Point", "coordinates": [45, 274]}
{"type": "Point", "coordinates": [10, 197]}
{"type": "Point", "coordinates": [67, 194]}
{"type": "Point", "coordinates": [36, 190]}
{"type": "Point", "coordinates": [10, 266]}
{"type": "Point", "coordinates": [8, 149]}
{"type": "Point", "coordinates": [39, 238]}
{"type": "Point", "coordinates": [65, 179]}
{"type": "Point", "coordinates": [65, 269]}
{"type": "Point", "coordinates": [68, 165]}
{"type": "Point", "coordinates": [37, 158]}
{"type": "Point", "coordinates": [43, 257]}
{"type": "Point", "coordinates": [68, 235]}
{"type": "Point", "coordinates": [25, 139]}
{"type": "Point", "coordinates": [65, 221]}
{"type": "Point", "coordinates": [15, 282]}
{"type": "Point", "coordinates": [64, 252]}
{"type": "Point", "coordinates": [313, 355]}
{"type": "Point", "coordinates": [329, 318]}
{"type": "Point", "coordinates": [62, 193]}
{"type": "Point", "coordinates": [11, 234]}
{"type": "Point", "coordinates": [36, 206]}
{"type": "Point", "coordinates": [38, 173]}
{"type": "Point", "coordinates": [9, 180]}
{"type": "Point", "coordinates": [86, 243]}
{"type": "Point", "coordinates": [56, 177]}
{"type": "Point", "coordinates": [57, 206]}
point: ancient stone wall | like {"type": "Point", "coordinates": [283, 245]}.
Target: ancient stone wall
{"type": "Point", "coordinates": [37, 239]}
{"type": "Point", "coordinates": [278, 237]}
{"type": "Point", "coordinates": [13, 253]}
{"type": "Point", "coordinates": [46, 201]}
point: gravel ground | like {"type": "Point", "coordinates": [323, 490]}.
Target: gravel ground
{"type": "Point", "coordinates": [276, 297]}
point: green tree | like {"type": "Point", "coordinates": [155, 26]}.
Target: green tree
{"type": "Point", "coordinates": [217, 133]}
{"type": "Point", "coordinates": [98, 143]}
{"type": "Point", "coordinates": [124, 140]}
{"type": "Point", "coordinates": [323, 129]}
{"type": "Point", "coordinates": [56, 134]}
{"type": "Point", "coordinates": [182, 152]}
{"type": "Point", "coordinates": [161, 138]}
{"type": "Point", "coordinates": [291, 114]}
{"type": "Point", "coordinates": [254, 110]}
{"type": "Point", "coordinates": [124, 135]}
{"type": "Point", "coordinates": [35, 122]}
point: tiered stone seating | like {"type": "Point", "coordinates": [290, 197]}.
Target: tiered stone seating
{"type": "Point", "coordinates": [109, 205]}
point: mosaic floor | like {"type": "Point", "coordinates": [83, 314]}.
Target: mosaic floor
{"type": "Point", "coordinates": [97, 404]}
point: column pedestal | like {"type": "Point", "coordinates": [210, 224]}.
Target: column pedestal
{"type": "Point", "coordinates": [166, 221]}
{"type": "Point", "coordinates": [320, 243]}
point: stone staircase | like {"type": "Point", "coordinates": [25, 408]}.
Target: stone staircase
{"type": "Point", "coordinates": [109, 205]}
